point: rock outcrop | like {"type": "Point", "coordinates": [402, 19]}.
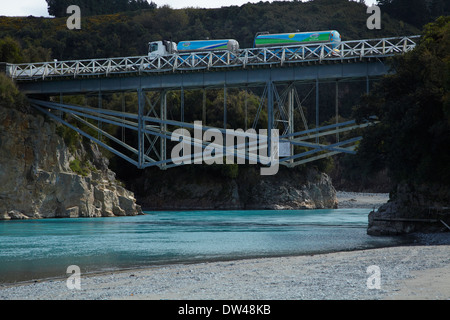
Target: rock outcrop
{"type": "Point", "coordinates": [181, 189]}
{"type": "Point", "coordinates": [424, 209]}
{"type": "Point", "coordinates": [42, 177]}
{"type": "Point", "coordinates": [290, 189]}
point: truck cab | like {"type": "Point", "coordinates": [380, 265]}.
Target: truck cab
{"type": "Point", "coordinates": [161, 48]}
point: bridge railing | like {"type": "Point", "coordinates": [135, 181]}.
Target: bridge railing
{"type": "Point", "coordinates": [345, 50]}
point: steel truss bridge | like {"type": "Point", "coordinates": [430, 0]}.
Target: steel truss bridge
{"type": "Point", "coordinates": [273, 72]}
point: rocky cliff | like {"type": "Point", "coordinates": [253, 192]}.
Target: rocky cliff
{"type": "Point", "coordinates": [200, 188]}
{"type": "Point", "coordinates": [424, 208]}
{"type": "Point", "coordinates": [42, 177]}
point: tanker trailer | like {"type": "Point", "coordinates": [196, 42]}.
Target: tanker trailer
{"type": "Point", "coordinates": [298, 38]}
{"type": "Point", "coordinates": [208, 45]}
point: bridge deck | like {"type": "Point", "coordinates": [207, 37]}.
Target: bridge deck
{"type": "Point", "coordinates": [202, 69]}
{"type": "Point", "coordinates": [228, 78]}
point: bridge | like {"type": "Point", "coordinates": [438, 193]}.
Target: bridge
{"type": "Point", "coordinates": [273, 72]}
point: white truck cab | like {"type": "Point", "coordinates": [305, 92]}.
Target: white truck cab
{"type": "Point", "coordinates": [161, 48]}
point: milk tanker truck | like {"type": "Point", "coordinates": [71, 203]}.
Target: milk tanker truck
{"type": "Point", "coordinates": [262, 39]}
{"type": "Point", "coordinates": [164, 48]}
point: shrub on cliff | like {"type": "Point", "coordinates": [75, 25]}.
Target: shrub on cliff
{"type": "Point", "coordinates": [10, 96]}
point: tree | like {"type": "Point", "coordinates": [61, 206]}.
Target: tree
{"type": "Point", "coordinates": [413, 105]}
{"type": "Point", "coordinates": [58, 8]}
{"type": "Point", "coordinates": [10, 51]}
{"type": "Point", "coordinates": [415, 12]}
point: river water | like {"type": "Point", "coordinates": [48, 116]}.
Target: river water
{"type": "Point", "coordinates": [36, 249]}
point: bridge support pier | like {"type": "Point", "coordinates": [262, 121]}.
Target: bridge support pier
{"type": "Point", "coordinates": [182, 104]}
{"type": "Point", "coordinates": [270, 118]}
{"type": "Point", "coordinates": [225, 107]}
{"type": "Point", "coordinates": [337, 109]}
{"type": "Point", "coordinates": [163, 128]}
{"type": "Point", "coordinates": [317, 108]}
{"type": "Point", "coordinates": [123, 118]}
{"type": "Point", "coordinates": [204, 107]}
{"type": "Point", "coordinates": [245, 109]}
{"type": "Point", "coordinates": [141, 124]}
{"type": "Point", "coordinates": [100, 106]}
{"type": "Point", "coordinates": [291, 120]}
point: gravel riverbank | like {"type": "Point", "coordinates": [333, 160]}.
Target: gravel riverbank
{"type": "Point", "coordinates": [411, 272]}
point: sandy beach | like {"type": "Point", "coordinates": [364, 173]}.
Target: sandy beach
{"type": "Point", "coordinates": [420, 271]}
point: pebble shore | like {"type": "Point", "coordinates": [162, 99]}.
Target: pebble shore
{"type": "Point", "coordinates": [419, 271]}
{"type": "Point", "coordinates": [341, 276]}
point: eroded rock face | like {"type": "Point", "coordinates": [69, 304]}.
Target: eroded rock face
{"type": "Point", "coordinates": [293, 190]}
{"type": "Point", "coordinates": [412, 209]}
{"type": "Point", "coordinates": [288, 189]}
{"type": "Point", "coordinates": [36, 180]}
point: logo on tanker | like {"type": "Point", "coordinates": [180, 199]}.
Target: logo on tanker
{"type": "Point", "coordinates": [314, 36]}
{"type": "Point", "coordinates": [186, 44]}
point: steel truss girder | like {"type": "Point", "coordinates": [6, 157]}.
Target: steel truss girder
{"type": "Point", "coordinates": [153, 130]}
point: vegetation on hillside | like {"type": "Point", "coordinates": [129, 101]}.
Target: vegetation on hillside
{"type": "Point", "coordinates": [58, 8]}
{"type": "Point", "coordinates": [415, 12]}
{"type": "Point", "coordinates": [128, 33]}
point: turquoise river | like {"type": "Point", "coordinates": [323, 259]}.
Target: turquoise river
{"type": "Point", "coordinates": [37, 249]}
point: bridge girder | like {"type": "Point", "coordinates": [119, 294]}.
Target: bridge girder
{"type": "Point", "coordinates": [155, 131]}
